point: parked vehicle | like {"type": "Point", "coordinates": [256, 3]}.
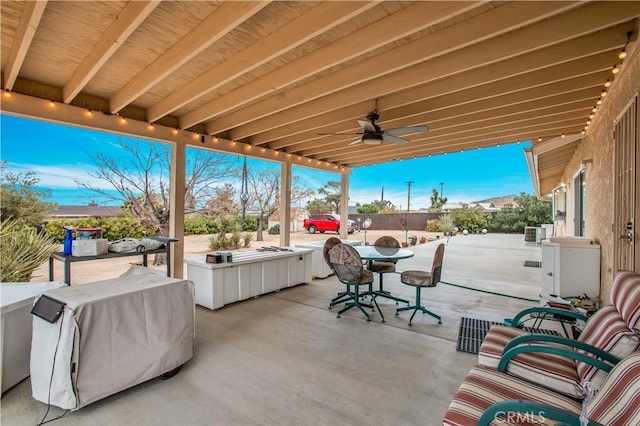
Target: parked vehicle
{"type": "Point", "coordinates": [327, 222]}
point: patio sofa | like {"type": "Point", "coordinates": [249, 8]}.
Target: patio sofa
{"type": "Point", "coordinates": [561, 364]}
{"type": "Point", "coordinates": [555, 376]}
{"type": "Point", "coordinates": [488, 396]}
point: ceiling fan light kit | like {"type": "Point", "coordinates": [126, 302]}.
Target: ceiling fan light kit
{"type": "Point", "coordinates": [372, 134]}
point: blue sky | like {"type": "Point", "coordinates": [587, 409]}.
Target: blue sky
{"type": "Point", "coordinates": [61, 154]}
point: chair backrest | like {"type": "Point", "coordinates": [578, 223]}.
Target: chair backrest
{"type": "Point", "coordinates": [614, 328]}
{"type": "Point", "coordinates": [387, 241]}
{"type": "Point", "coordinates": [436, 268]}
{"type": "Point", "coordinates": [328, 245]}
{"type": "Point", "coordinates": [618, 400]}
{"type": "Point", "coordinates": [625, 297]}
{"type": "Point", "coordinates": [346, 263]}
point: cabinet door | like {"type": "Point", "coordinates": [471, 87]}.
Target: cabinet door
{"type": "Point", "coordinates": [548, 270]}
{"type": "Point", "coordinates": [298, 269]}
{"type": "Point", "coordinates": [270, 276]}
{"type": "Point", "coordinates": [231, 284]}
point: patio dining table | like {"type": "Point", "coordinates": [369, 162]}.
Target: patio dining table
{"type": "Point", "coordinates": [383, 254]}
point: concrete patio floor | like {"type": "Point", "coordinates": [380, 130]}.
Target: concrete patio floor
{"type": "Point", "coordinates": [285, 359]}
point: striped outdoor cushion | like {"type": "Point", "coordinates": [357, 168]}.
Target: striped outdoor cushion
{"type": "Point", "coordinates": [625, 296]}
{"type": "Point", "coordinates": [483, 387]}
{"type": "Point", "coordinates": [606, 330]}
{"type": "Point", "coordinates": [616, 404]}
{"type": "Point", "coordinates": [494, 342]}
{"type": "Point", "coordinates": [618, 401]}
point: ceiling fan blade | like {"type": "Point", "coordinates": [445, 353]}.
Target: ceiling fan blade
{"type": "Point", "coordinates": [339, 134]}
{"type": "Point", "coordinates": [394, 139]}
{"type": "Point", "coordinates": [367, 126]}
{"type": "Point", "coordinates": [406, 130]}
{"type": "Point", "coordinates": [356, 142]}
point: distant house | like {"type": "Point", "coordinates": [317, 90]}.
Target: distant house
{"type": "Point", "coordinates": [490, 205]}
{"type": "Point", "coordinates": [91, 210]}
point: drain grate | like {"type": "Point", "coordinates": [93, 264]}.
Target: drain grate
{"type": "Point", "coordinates": [472, 332]}
{"type": "Point", "coordinates": [533, 263]}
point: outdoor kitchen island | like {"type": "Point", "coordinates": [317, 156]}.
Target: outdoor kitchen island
{"type": "Point", "coordinates": [249, 274]}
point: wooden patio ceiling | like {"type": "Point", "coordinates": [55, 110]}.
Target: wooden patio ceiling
{"type": "Point", "coordinates": [272, 75]}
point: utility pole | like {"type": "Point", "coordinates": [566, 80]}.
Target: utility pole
{"type": "Point", "coordinates": [441, 189]}
{"type": "Point", "coordinates": [409, 183]}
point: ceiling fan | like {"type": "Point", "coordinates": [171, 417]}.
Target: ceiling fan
{"type": "Point", "coordinates": [372, 134]}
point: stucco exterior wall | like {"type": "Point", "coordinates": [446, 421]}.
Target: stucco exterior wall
{"type": "Point", "coordinates": [598, 147]}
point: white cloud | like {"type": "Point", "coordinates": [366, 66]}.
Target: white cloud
{"type": "Point", "coordinates": [60, 176]}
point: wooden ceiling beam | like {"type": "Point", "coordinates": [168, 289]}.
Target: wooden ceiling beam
{"type": "Point", "coordinates": [122, 27]}
{"type": "Point", "coordinates": [223, 20]}
{"type": "Point", "coordinates": [285, 134]}
{"type": "Point", "coordinates": [479, 101]}
{"type": "Point", "coordinates": [482, 28]}
{"type": "Point", "coordinates": [462, 132]}
{"type": "Point", "coordinates": [318, 20]}
{"type": "Point", "coordinates": [557, 93]}
{"type": "Point", "coordinates": [439, 70]}
{"type": "Point", "coordinates": [320, 124]}
{"type": "Point", "coordinates": [370, 156]}
{"type": "Point", "coordinates": [403, 23]}
{"type": "Point", "coordinates": [507, 114]}
{"type": "Point", "coordinates": [26, 29]}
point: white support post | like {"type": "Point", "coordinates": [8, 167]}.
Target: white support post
{"type": "Point", "coordinates": [285, 204]}
{"type": "Point", "coordinates": [344, 205]}
{"type": "Point", "coordinates": [176, 207]}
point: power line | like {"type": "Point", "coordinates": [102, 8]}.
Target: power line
{"type": "Point", "coordinates": [409, 183]}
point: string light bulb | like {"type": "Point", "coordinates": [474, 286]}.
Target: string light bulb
{"type": "Point", "coordinates": [623, 52]}
{"type": "Point", "coordinates": [607, 83]}
{"type": "Point", "coordinates": [599, 101]}
{"type": "Point", "coordinates": [615, 70]}
{"type": "Point", "coordinates": [603, 94]}
{"type": "Point", "coordinates": [7, 93]}
{"type": "Point", "coordinates": [174, 131]}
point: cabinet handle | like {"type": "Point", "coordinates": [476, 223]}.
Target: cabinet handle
{"type": "Point", "coordinates": [550, 274]}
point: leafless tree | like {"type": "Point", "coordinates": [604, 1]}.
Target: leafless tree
{"type": "Point", "coordinates": [140, 177]}
{"type": "Point", "coordinates": [264, 194]}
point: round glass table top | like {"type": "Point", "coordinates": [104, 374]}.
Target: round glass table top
{"type": "Point", "coordinates": [383, 253]}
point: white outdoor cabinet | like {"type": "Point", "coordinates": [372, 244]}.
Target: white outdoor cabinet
{"type": "Point", "coordinates": [250, 274]}
{"type": "Point", "coordinates": [570, 267]}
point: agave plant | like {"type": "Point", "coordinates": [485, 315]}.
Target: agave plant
{"type": "Point", "coordinates": [22, 250]}
{"type": "Point", "coordinates": [446, 224]}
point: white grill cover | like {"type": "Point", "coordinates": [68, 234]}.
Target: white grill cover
{"type": "Point", "coordinates": [113, 334]}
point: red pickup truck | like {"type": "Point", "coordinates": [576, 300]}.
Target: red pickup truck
{"type": "Point", "coordinates": [327, 222]}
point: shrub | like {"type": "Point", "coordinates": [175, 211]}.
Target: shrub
{"type": "Point", "coordinates": [113, 228]}
{"type": "Point", "coordinates": [528, 211]}
{"type": "Point", "coordinates": [235, 239]}
{"type": "Point", "coordinates": [274, 230]}
{"type": "Point", "coordinates": [246, 239]}
{"type": "Point", "coordinates": [473, 220]}
{"type": "Point", "coordinates": [433, 225]}
{"type": "Point", "coordinates": [250, 223]}
{"type": "Point", "coordinates": [446, 224]}
{"type": "Point", "coordinates": [22, 250]}
{"type": "Point", "coordinates": [200, 225]}
{"type": "Point", "coordinates": [226, 224]}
